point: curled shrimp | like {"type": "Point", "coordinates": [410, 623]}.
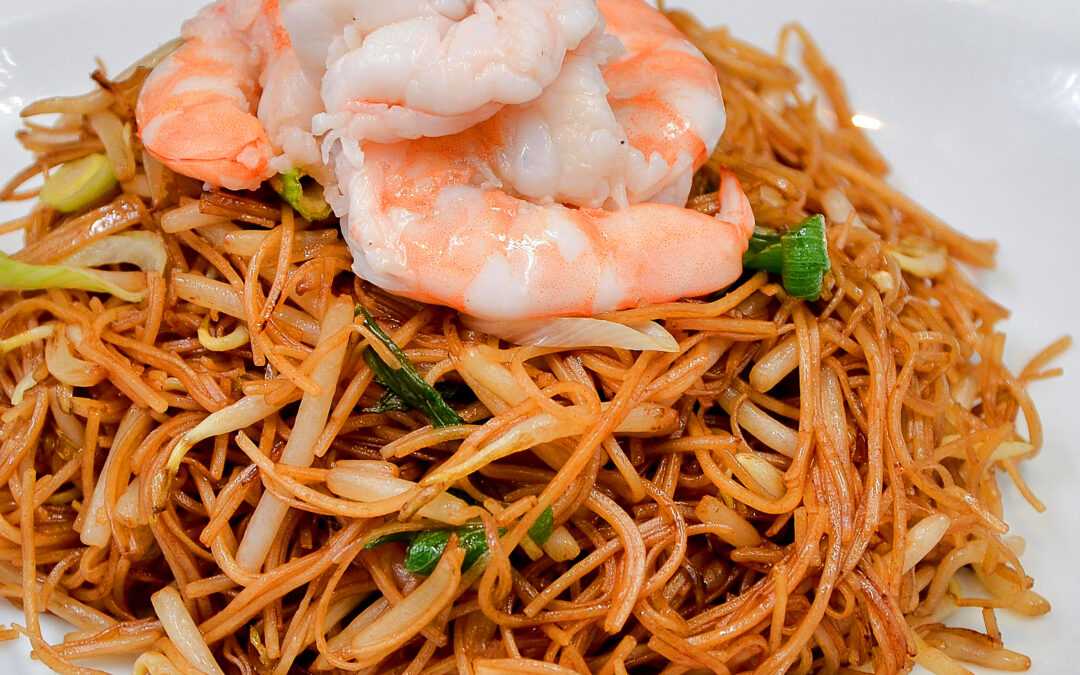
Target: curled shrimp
{"type": "Point", "coordinates": [563, 196]}
{"type": "Point", "coordinates": [435, 219]}
{"type": "Point", "coordinates": [412, 68]}
{"type": "Point", "coordinates": [231, 100]}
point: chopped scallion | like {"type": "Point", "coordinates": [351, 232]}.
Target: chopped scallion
{"type": "Point", "coordinates": [800, 256]}
{"type": "Point", "coordinates": [79, 183]}
{"type": "Point", "coordinates": [405, 381]}
{"type": "Point", "coordinates": [427, 546]}
{"type": "Point", "coordinates": [306, 197]}
{"type": "Point", "coordinates": [540, 530]}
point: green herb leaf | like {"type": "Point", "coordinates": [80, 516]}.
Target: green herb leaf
{"type": "Point", "coordinates": [306, 197]}
{"type": "Point", "coordinates": [390, 400]}
{"type": "Point", "coordinates": [474, 541]}
{"type": "Point", "coordinates": [79, 183]}
{"type": "Point", "coordinates": [540, 530]}
{"type": "Point", "coordinates": [406, 382]}
{"type": "Point", "coordinates": [405, 537]}
{"type": "Point", "coordinates": [801, 256]}
{"type": "Point", "coordinates": [387, 402]}
{"type": "Point", "coordinates": [425, 550]}
{"type": "Point", "coordinates": [428, 546]}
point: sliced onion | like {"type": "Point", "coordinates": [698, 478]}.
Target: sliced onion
{"type": "Point", "coordinates": [220, 296]}
{"type": "Point", "coordinates": [24, 385]}
{"type": "Point", "coordinates": [350, 481]}
{"type": "Point", "coordinates": [376, 466]}
{"type": "Point", "coordinates": [96, 528]}
{"type": "Point", "coordinates": [181, 629]}
{"type": "Point", "coordinates": [570, 332]}
{"type": "Point", "coordinates": [145, 250]}
{"type": "Point", "coordinates": [403, 621]}
{"type": "Point", "coordinates": [126, 510]}
{"type": "Point", "coordinates": [935, 660]}
{"type": "Point", "coordinates": [234, 340]}
{"type": "Point", "coordinates": [491, 381]}
{"type": "Point", "coordinates": [1011, 449]}
{"type": "Point", "coordinates": [765, 428]}
{"type": "Point", "coordinates": [240, 415]}
{"type": "Point", "coordinates": [364, 619]}
{"type": "Point", "coordinates": [920, 257]}
{"type": "Point", "coordinates": [300, 448]}
{"type": "Point", "coordinates": [966, 647]}
{"type": "Point", "coordinates": [775, 366]}
{"type": "Point", "coordinates": [69, 426]}
{"type": "Point", "coordinates": [561, 545]}
{"type": "Point", "coordinates": [188, 217]}
{"type": "Point", "coordinates": [839, 209]}
{"type": "Point", "coordinates": [66, 367]}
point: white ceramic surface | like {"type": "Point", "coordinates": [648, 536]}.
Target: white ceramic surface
{"type": "Point", "coordinates": [979, 104]}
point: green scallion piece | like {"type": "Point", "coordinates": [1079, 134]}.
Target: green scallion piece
{"type": "Point", "coordinates": [406, 382]}
{"type": "Point", "coordinates": [305, 196]}
{"type": "Point", "coordinates": [800, 256]}
{"type": "Point", "coordinates": [427, 546]}
{"type": "Point", "coordinates": [79, 183]}
{"type": "Point", "coordinates": [540, 530]}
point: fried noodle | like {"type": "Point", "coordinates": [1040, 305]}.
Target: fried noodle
{"type": "Point", "coordinates": [798, 488]}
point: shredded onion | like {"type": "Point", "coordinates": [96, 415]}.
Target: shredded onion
{"type": "Point", "coordinates": [66, 367]}
{"type": "Point", "coordinates": [570, 332]}
{"type": "Point", "coordinates": [352, 481]}
{"type": "Point", "coordinates": [404, 620]}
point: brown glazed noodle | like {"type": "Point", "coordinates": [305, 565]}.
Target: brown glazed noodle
{"type": "Point", "coordinates": [798, 489]}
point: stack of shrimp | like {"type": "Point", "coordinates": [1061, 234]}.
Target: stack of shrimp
{"type": "Point", "coordinates": [208, 474]}
{"type": "Point", "coordinates": [511, 159]}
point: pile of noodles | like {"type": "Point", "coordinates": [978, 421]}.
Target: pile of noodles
{"type": "Point", "coordinates": [802, 487]}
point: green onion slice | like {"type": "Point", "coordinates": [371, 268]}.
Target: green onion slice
{"type": "Point", "coordinates": [79, 183]}
{"type": "Point", "coordinates": [405, 381]}
{"type": "Point", "coordinates": [800, 256]}
{"type": "Point", "coordinates": [305, 196]}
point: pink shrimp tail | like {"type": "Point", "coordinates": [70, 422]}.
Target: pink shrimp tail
{"type": "Point", "coordinates": [196, 110]}
{"type": "Point", "coordinates": [213, 141]}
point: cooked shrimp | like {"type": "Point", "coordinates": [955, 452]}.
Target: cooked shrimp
{"type": "Point", "coordinates": [434, 219]}
{"type": "Point", "coordinates": [399, 70]}
{"type": "Point", "coordinates": [230, 99]}
{"type": "Point", "coordinates": [615, 131]}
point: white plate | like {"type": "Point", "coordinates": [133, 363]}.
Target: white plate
{"type": "Point", "coordinates": [979, 103]}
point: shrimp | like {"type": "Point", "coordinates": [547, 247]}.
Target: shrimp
{"type": "Point", "coordinates": [231, 106]}
{"type": "Point", "coordinates": [437, 220]}
{"type": "Point", "coordinates": [621, 124]}
{"type": "Point", "coordinates": [412, 68]}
